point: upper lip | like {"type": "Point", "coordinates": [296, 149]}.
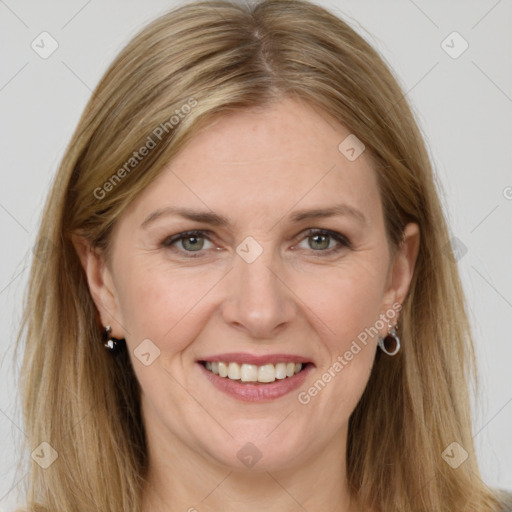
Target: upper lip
{"type": "Point", "coordinates": [258, 360]}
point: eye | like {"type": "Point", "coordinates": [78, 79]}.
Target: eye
{"type": "Point", "coordinates": [319, 240]}
{"type": "Point", "coordinates": [191, 242]}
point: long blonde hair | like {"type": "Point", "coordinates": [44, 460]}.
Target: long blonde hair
{"type": "Point", "coordinates": [218, 57]}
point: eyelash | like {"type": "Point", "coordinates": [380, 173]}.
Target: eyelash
{"type": "Point", "coordinates": [169, 242]}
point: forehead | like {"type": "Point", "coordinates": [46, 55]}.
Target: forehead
{"type": "Point", "coordinates": [266, 159]}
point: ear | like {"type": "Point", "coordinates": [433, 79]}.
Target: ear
{"type": "Point", "coordinates": [402, 269]}
{"type": "Point", "coordinates": [101, 284]}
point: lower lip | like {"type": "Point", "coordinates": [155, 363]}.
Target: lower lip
{"type": "Point", "coordinates": [257, 392]}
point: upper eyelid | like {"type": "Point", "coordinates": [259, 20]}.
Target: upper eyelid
{"type": "Point", "coordinates": [206, 233]}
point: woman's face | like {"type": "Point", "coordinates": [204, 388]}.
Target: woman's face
{"type": "Point", "coordinates": [254, 282]}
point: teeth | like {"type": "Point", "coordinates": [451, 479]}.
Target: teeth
{"type": "Point", "coordinates": [223, 370]}
{"type": "Point", "coordinates": [266, 373]}
{"type": "Point", "coordinates": [252, 372]}
{"type": "Point", "coordinates": [248, 372]}
{"type": "Point", "coordinates": [281, 370]}
{"type": "Point", "coordinates": [234, 371]}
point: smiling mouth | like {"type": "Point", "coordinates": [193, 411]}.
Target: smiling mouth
{"type": "Point", "coordinates": [250, 373]}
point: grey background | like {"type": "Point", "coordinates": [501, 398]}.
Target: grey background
{"type": "Point", "coordinates": [463, 106]}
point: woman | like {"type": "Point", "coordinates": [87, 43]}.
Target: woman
{"type": "Point", "coordinates": [246, 303]}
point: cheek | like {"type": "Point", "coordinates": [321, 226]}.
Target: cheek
{"type": "Point", "coordinates": [349, 301]}
{"type": "Point", "coordinates": [352, 314]}
{"type": "Point", "coordinates": [163, 303]}
{"type": "Point", "coordinates": [350, 308]}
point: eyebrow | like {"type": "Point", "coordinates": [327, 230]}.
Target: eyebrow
{"type": "Point", "coordinates": [215, 219]}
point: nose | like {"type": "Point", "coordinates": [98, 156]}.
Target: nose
{"type": "Point", "coordinates": [259, 301]}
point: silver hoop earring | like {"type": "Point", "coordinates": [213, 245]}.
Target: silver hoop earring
{"type": "Point", "coordinates": [392, 335]}
{"type": "Point", "coordinates": [109, 342]}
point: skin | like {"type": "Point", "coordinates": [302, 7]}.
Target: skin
{"type": "Point", "coordinates": [255, 167]}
